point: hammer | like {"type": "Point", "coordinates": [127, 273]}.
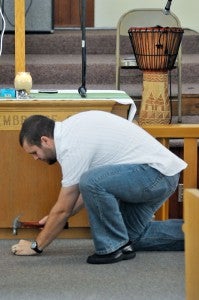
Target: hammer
{"type": "Point", "coordinates": [19, 224]}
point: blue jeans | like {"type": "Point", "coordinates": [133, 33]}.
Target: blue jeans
{"type": "Point", "coordinates": [121, 201]}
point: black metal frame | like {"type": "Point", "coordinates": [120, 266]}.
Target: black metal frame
{"type": "Point", "coordinates": [82, 89]}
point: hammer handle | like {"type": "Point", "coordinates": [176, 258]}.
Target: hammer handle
{"type": "Point", "coordinates": [31, 224]}
{"type": "Point", "coordinates": [36, 225]}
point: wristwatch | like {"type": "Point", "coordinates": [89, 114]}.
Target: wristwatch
{"type": "Point", "coordinates": [34, 246]}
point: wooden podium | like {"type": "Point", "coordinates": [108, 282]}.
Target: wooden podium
{"type": "Point", "coordinates": [30, 188]}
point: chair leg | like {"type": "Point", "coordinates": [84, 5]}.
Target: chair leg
{"type": "Point", "coordinates": [179, 86]}
{"type": "Point", "coordinates": [118, 78]}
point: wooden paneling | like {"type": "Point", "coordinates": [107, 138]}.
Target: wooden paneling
{"type": "Point", "coordinates": [27, 187]}
{"type": "Point", "coordinates": [67, 13]}
{"type": "Point", "coordinates": [62, 12]}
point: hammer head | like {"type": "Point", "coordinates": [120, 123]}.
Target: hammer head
{"type": "Point", "coordinates": [16, 225]}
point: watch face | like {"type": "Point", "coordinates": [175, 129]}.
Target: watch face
{"type": "Point", "coordinates": [33, 245]}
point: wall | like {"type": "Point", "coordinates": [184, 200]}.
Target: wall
{"type": "Point", "coordinates": [108, 12]}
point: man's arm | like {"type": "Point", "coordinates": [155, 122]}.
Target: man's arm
{"type": "Point", "coordinates": [68, 201]}
{"type": "Point", "coordinates": [78, 205]}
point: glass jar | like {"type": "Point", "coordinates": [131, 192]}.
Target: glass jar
{"type": "Point", "coordinates": [23, 82]}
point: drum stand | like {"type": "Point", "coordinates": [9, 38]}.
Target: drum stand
{"type": "Point", "coordinates": [155, 105]}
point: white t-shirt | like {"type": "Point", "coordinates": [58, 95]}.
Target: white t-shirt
{"type": "Point", "coordinates": [94, 138]}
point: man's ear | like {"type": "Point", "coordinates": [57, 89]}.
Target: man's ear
{"type": "Point", "coordinates": [46, 141]}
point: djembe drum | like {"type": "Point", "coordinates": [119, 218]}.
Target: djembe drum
{"type": "Point", "coordinates": [155, 49]}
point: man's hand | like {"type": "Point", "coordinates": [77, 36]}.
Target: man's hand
{"type": "Point", "coordinates": [54, 223]}
{"type": "Point", "coordinates": [43, 220]}
{"type": "Point", "coordinates": [23, 248]}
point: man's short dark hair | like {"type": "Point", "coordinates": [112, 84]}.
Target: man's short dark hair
{"type": "Point", "coordinates": [34, 127]}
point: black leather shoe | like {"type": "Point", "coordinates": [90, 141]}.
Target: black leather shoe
{"type": "Point", "coordinates": [123, 253]}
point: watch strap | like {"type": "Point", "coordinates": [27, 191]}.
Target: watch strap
{"type": "Point", "coordinates": [35, 247]}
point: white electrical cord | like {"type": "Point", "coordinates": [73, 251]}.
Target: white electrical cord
{"type": "Point", "coordinates": [2, 32]}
